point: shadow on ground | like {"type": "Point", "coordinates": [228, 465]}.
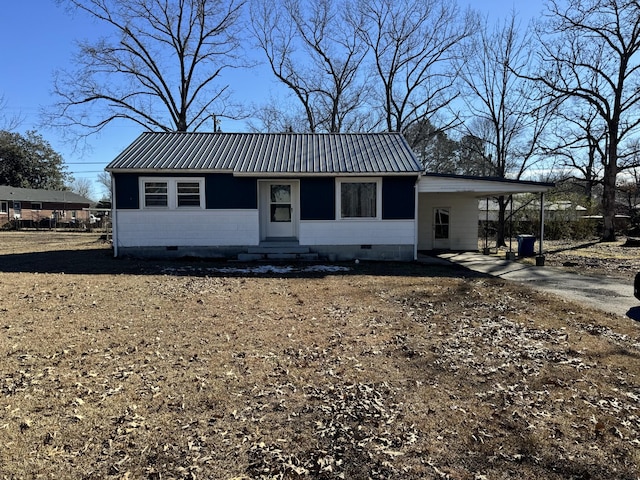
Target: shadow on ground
{"type": "Point", "coordinates": [634, 313]}
{"type": "Point", "coordinates": [96, 261]}
{"type": "Point", "coordinates": [574, 247]}
{"type": "Point", "coordinates": [101, 262]}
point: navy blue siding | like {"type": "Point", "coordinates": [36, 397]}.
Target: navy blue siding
{"type": "Point", "coordinates": [127, 195]}
{"type": "Point", "coordinates": [398, 198]}
{"type": "Point", "coordinates": [224, 191]}
{"type": "Point", "coordinates": [318, 198]}
{"type": "Point", "coordinates": [317, 195]}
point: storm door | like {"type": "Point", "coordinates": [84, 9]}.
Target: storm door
{"type": "Point", "coordinates": [278, 210]}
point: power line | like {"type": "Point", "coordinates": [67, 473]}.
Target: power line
{"type": "Point", "coordinates": [86, 163]}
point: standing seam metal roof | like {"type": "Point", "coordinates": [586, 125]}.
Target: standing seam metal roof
{"type": "Point", "coordinates": [264, 153]}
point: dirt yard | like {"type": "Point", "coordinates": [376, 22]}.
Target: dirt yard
{"type": "Point", "coordinates": [125, 369]}
{"type": "Point", "coordinates": [611, 259]}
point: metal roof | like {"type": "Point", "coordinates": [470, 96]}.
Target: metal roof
{"type": "Point", "coordinates": [38, 195]}
{"type": "Point", "coordinates": [269, 153]}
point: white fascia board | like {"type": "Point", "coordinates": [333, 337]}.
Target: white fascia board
{"type": "Point", "coordinates": [481, 187]}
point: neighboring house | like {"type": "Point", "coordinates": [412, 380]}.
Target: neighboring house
{"type": "Point", "coordinates": [340, 196]}
{"type": "Point", "coordinates": [34, 206]}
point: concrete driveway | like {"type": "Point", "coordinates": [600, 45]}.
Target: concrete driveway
{"type": "Point", "coordinates": [609, 295]}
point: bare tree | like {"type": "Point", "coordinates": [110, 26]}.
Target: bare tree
{"type": "Point", "coordinates": [161, 67]}
{"type": "Point", "coordinates": [414, 44]}
{"type": "Point", "coordinates": [104, 179]}
{"type": "Point", "coordinates": [82, 186]}
{"type": "Point", "coordinates": [506, 111]}
{"type": "Point", "coordinates": [315, 51]}
{"type": "Point", "coordinates": [590, 52]}
{"type": "Point", "coordinates": [8, 122]}
{"type": "Point", "coordinates": [580, 145]}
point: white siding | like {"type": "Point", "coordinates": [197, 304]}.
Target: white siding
{"type": "Point", "coordinates": [463, 228]}
{"type": "Point", "coordinates": [144, 228]}
{"type": "Point", "coordinates": [357, 232]}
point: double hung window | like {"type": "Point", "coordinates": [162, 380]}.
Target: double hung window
{"type": "Point", "coordinates": [172, 193]}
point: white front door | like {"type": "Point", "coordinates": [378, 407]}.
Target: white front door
{"type": "Point", "coordinates": [441, 222]}
{"type": "Point", "coordinates": [279, 210]}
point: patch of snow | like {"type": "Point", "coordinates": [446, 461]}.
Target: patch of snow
{"type": "Point", "coordinates": [262, 269]}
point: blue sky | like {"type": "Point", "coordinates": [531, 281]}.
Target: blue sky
{"type": "Point", "coordinates": [38, 37]}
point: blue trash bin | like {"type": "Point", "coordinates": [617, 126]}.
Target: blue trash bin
{"type": "Point", "coordinates": [526, 245]}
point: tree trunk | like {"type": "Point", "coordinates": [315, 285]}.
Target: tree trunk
{"type": "Point", "coordinates": [500, 228]}
{"type": "Point", "coordinates": [609, 186]}
{"type": "Point", "coordinates": [609, 201]}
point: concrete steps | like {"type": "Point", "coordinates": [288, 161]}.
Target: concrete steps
{"type": "Point", "coordinates": [278, 251]}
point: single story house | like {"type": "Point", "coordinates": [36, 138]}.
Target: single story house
{"type": "Point", "coordinates": [339, 196]}
{"type": "Point", "coordinates": [33, 206]}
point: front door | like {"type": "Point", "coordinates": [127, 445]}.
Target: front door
{"type": "Point", "coordinates": [278, 210]}
{"type": "Point", "coordinates": [441, 219]}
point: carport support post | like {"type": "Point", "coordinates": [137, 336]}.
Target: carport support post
{"type": "Point", "coordinates": [485, 250]}
{"type": "Point", "coordinates": [540, 257]}
{"type": "Point", "coordinates": [510, 255]}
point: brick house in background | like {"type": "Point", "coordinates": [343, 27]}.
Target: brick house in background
{"type": "Point", "coordinates": [33, 207]}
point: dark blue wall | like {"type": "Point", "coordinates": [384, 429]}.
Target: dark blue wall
{"type": "Point", "coordinates": [398, 198]}
{"type": "Point", "coordinates": [317, 195]}
{"type": "Point", "coordinates": [226, 191]}
{"type": "Point", "coordinates": [318, 198]}
{"type": "Point", "coordinates": [223, 191]}
{"type": "Point", "coordinates": [127, 195]}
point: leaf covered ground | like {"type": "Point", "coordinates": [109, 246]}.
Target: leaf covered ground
{"type": "Point", "coordinates": [158, 370]}
{"type": "Point", "coordinates": [619, 259]}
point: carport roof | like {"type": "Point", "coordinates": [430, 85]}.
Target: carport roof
{"type": "Point", "coordinates": [481, 186]}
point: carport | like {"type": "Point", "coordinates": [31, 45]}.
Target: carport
{"type": "Point", "coordinates": [448, 209]}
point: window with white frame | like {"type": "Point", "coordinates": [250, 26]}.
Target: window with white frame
{"type": "Point", "coordinates": [188, 194]}
{"type": "Point", "coordinates": [358, 198]}
{"type": "Point", "coordinates": [156, 194]}
{"type": "Point", "coordinates": [36, 205]}
{"type": "Point", "coordinates": [172, 193]}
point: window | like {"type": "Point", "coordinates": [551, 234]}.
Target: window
{"type": "Point", "coordinates": [188, 194]}
{"type": "Point", "coordinates": [280, 199]}
{"type": "Point", "coordinates": [36, 206]}
{"type": "Point", "coordinates": [17, 209]}
{"type": "Point", "coordinates": [359, 199]}
{"type": "Point", "coordinates": [4, 207]}
{"type": "Point", "coordinates": [156, 194]}
{"type": "Point", "coordinates": [441, 222]}
{"type": "Point", "coordinates": [172, 193]}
